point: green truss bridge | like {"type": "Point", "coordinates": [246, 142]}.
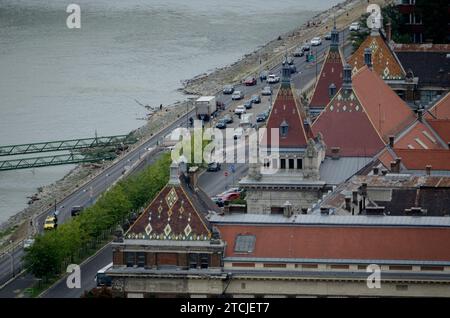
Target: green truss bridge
{"type": "Point", "coordinates": [44, 161]}
{"type": "Point", "coordinates": [68, 145]}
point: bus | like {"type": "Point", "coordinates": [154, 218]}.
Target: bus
{"type": "Point", "coordinates": [101, 278]}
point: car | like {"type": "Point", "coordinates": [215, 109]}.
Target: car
{"type": "Point", "coordinates": [234, 189]}
{"type": "Point", "coordinates": [316, 41]}
{"type": "Point", "coordinates": [354, 26]}
{"type": "Point", "coordinates": [305, 47]}
{"type": "Point", "coordinates": [293, 69]}
{"type": "Point", "coordinates": [77, 208]}
{"type": "Point", "coordinates": [290, 60]}
{"type": "Point", "coordinates": [263, 75]}
{"type": "Point", "coordinates": [327, 36]}
{"type": "Point", "coordinates": [228, 119]}
{"type": "Point", "coordinates": [256, 99]}
{"type": "Point", "coordinates": [250, 81]}
{"type": "Point", "coordinates": [231, 196]}
{"type": "Point", "coordinates": [298, 52]}
{"type": "Point", "coordinates": [217, 200]}
{"type": "Point", "coordinates": [272, 79]}
{"type": "Point", "coordinates": [237, 95]}
{"type": "Point", "coordinates": [28, 243]}
{"type": "Point", "coordinates": [248, 104]}
{"type": "Point", "coordinates": [213, 166]}
{"type": "Point", "coordinates": [50, 223]}
{"type": "Point", "coordinates": [262, 116]}
{"type": "Point", "coordinates": [238, 132]}
{"type": "Point", "coordinates": [221, 124]}
{"type": "Point", "coordinates": [240, 110]}
{"type": "Point", "coordinates": [228, 89]}
{"type": "Point", "coordinates": [266, 91]}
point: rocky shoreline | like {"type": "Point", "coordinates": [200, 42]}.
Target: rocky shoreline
{"type": "Point", "coordinates": [203, 84]}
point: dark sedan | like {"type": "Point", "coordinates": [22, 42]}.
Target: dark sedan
{"type": "Point", "coordinates": [256, 99]}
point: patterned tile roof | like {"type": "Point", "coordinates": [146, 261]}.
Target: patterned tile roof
{"type": "Point", "coordinates": [172, 215]}
{"type": "Point", "coordinates": [331, 73]}
{"type": "Point", "coordinates": [286, 111]}
{"type": "Point", "coordinates": [344, 123]}
{"type": "Point", "coordinates": [384, 61]}
{"type": "Point", "coordinates": [389, 113]}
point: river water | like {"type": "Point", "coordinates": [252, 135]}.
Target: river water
{"type": "Point", "coordinates": [59, 83]}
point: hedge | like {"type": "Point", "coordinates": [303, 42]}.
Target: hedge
{"type": "Point", "coordinates": [74, 240]}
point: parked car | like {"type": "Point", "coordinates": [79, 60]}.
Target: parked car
{"type": "Point", "coordinates": [248, 104]}
{"type": "Point", "coordinates": [327, 36]}
{"type": "Point", "coordinates": [299, 52]}
{"type": "Point", "coordinates": [240, 110]}
{"type": "Point", "coordinates": [228, 89]}
{"type": "Point", "coordinates": [237, 95]}
{"type": "Point", "coordinates": [290, 60]}
{"type": "Point", "coordinates": [238, 132]}
{"type": "Point", "coordinates": [272, 79]}
{"type": "Point", "coordinates": [228, 119]}
{"type": "Point", "coordinates": [76, 210]}
{"type": "Point", "coordinates": [256, 99]}
{"type": "Point", "coordinates": [316, 41]}
{"type": "Point", "coordinates": [354, 26]}
{"type": "Point", "coordinates": [263, 75]}
{"type": "Point", "coordinates": [266, 91]}
{"type": "Point", "coordinates": [231, 196]}
{"type": "Point", "coordinates": [213, 166]}
{"type": "Point", "coordinates": [221, 124]}
{"type": "Point", "coordinates": [250, 81]}
{"type": "Point", "coordinates": [217, 200]}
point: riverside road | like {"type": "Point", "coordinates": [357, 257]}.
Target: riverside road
{"type": "Point", "coordinates": [89, 192]}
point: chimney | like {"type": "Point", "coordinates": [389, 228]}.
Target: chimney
{"type": "Point", "coordinates": [388, 31]}
{"type": "Point", "coordinates": [391, 141]}
{"type": "Point", "coordinates": [368, 57]}
{"type": "Point", "coordinates": [193, 176]}
{"type": "Point", "coordinates": [420, 115]}
{"type": "Point", "coordinates": [335, 153]}
{"type": "Point", "coordinates": [347, 77]}
{"type": "Point", "coordinates": [428, 170]}
{"type": "Point", "coordinates": [348, 205]}
{"type": "Point", "coordinates": [287, 209]}
{"type": "Point", "coordinates": [174, 174]}
{"type": "Point", "coordinates": [364, 189]}
{"type": "Point", "coordinates": [376, 170]}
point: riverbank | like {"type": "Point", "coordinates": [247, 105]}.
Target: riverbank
{"type": "Point", "coordinates": [204, 84]}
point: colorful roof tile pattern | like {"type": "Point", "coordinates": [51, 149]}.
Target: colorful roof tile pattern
{"type": "Point", "coordinates": [344, 123]}
{"type": "Point", "coordinates": [285, 111]}
{"type": "Point", "coordinates": [389, 113]}
{"type": "Point", "coordinates": [170, 216]}
{"type": "Point", "coordinates": [441, 110]}
{"type": "Point", "coordinates": [384, 61]}
{"type": "Point", "coordinates": [330, 74]}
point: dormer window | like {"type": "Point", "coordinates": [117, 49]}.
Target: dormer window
{"type": "Point", "coordinates": [284, 129]}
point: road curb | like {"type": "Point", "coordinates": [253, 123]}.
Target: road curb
{"type": "Point", "coordinates": [13, 278]}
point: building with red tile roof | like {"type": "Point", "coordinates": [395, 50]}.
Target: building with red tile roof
{"type": "Point", "coordinates": [330, 78]}
{"type": "Point", "coordinates": [346, 126]}
{"type": "Point", "coordinates": [419, 159]}
{"type": "Point", "coordinates": [441, 110]}
{"type": "Point", "coordinates": [442, 128]}
{"type": "Point", "coordinates": [388, 113]}
{"type": "Point", "coordinates": [420, 135]}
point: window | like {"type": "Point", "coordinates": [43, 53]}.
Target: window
{"type": "Point", "coordinates": [284, 129]}
{"type": "Point", "coordinates": [244, 243]}
{"type": "Point", "coordinates": [193, 260]}
{"type": "Point", "coordinates": [130, 259]}
{"type": "Point", "coordinates": [299, 164]}
{"type": "Point", "coordinates": [283, 163]}
{"type": "Point", "coordinates": [204, 260]}
{"type": "Point", "coordinates": [140, 259]}
{"type": "Point", "coordinates": [291, 163]}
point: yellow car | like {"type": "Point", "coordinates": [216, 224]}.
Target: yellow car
{"type": "Point", "coordinates": [50, 223]}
